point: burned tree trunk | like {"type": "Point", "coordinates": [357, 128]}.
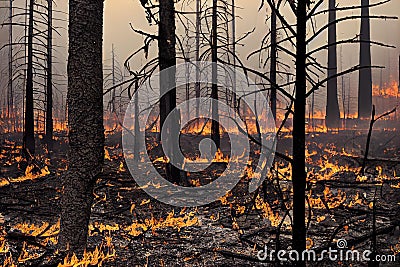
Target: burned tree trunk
{"type": "Point", "coordinates": [136, 144]}
{"type": "Point", "coordinates": [49, 81]}
{"type": "Point", "coordinates": [365, 76]}
{"type": "Point", "coordinates": [85, 121]}
{"type": "Point", "coordinates": [198, 29]}
{"type": "Point", "coordinates": [167, 58]}
{"type": "Point", "coordinates": [215, 136]}
{"type": "Point", "coordinates": [332, 105]}
{"type": "Point", "coordinates": [299, 174]}
{"type": "Point", "coordinates": [29, 131]}
{"type": "Point", "coordinates": [234, 53]}
{"type": "Point", "coordinates": [167, 61]}
{"type": "Point", "coordinates": [112, 107]}
{"type": "Point", "coordinates": [272, 74]}
{"type": "Point", "coordinates": [10, 96]}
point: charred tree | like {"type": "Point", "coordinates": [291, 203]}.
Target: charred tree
{"type": "Point", "coordinates": [198, 29]}
{"type": "Point", "coordinates": [234, 53]}
{"type": "Point", "coordinates": [167, 58]}
{"type": "Point", "coordinates": [113, 81]}
{"type": "Point", "coordinates": [365, 76]}
{"type": "Point", "coordinates": [136, 145]}
{"type": "Point", "coordinates": [306, 66]}
{"type": "Point", "coordinates": [10, 96]}
{"type": "Point", "coordinates": [299, 173]}
{"type": "Point", "coordinates": [29, 131]}
{"type": "Point", "coordinates": [85, 121]}
{"type": "Point", "coordinates": [49, 76]}
{"type": "Point", "coordinates": [215, 134]}
{"type": "Point", "coordinates": [274, 51]}
{"type": "Point", "coordinates": [332, 105]}
{"type": "Point", "coordinates": [167, 64]}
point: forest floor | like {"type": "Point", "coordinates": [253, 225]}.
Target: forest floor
{"type": "Point", "coordinates": [129, 228]}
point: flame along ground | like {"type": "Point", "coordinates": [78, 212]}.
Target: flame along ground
{"type": "Point", "coordinates": [105, 252]}
{"type": "Point", "coordinates": [322, 165]}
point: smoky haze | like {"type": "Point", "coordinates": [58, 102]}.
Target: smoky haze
{"type": "Point", "coordinates": [117, 31]}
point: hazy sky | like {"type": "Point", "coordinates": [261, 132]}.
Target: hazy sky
{"type": "Point", "coordinates": [119, 13]}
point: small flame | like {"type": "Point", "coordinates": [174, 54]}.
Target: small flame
{"type": "Point", "coordinates": [388, 90]}
{"type": "Point", "coordinates": [30, 174]}
{"type": "Point", "coordinates": [94, 258]}
{"type": "Point", "coordinates": [220, 158]}
{"type": "Point", "coordinates": [170, 221]}
{"type": "Point", "coordinates": [268, 213]}
{"type": "Point", "coordinates": [106, 154]}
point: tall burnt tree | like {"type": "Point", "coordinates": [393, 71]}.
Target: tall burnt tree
{"type": "Point", "coordinates": [167, 65]}
{"type": "Point", "coordinates": [167, 57]}
{"type": "Point", "coordinates": [85, 121]}
{"type": "Point", "coordinates": [306, 72]}
{"type": "Point", "coordinates": [273, 65]}
{"type": "Point", "coordinates": [234, 53]}
{"type": "Point", "coordinates": [10, 94]}
{"type": "Point", "coordinates": [112, 104]}
{"type": "Point", "coordinates": [365, 74]}
{"type": "Point", "coordinates": [299, 138]}
{"type": "Point", "coordinates": [215, 134]}
{"type": "Point", "coordinates": [198, 29]}
{"type": "Point", "coordinates": [29, 131]}
{"type": "Point", "coordinates": [332, 104]}
{"type": "Point", "coordinates": [49, 75]}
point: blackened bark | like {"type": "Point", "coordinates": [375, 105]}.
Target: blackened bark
{"type": "Point", "coordinates": [49, 81]}
{"type": "Point", "coordinates": [365, 76]}
{"type": "Point", "coordinates": [299, 174]}
{"type": "Point", "coordinates": [167, 61]}
{"type": "Point", "coordinates": [10, 95]}
{"type": "Point", "coordinates": [215, 135]}
{"type": "Point", "coordinates": [29, 134]}
{"type": "Point", "coordinates": [113, 81]}
{"type": "Point", "coordinates": [198, 29]}
{"type": "Point", "coordinates": [273, 61]}
{"type": "Point", "coordinates": [167, 58]}
{"type": "Point", "coordinates": [234, 100]}
{"type": "Point", "coordinates": [332, 104]}
{"type": "Point", "coordinates": [136, 144]}
{"type": "Point", "coordinates": [85, 121]}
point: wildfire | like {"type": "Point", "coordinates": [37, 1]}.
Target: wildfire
{"type": "Point", "coordinates": [49, 233]}
{"type": "Point", "coordinates": [219, 157]}
{"type": "Point", "coordinates": [3, 247]}
{"type": "Point", "coordinates": [224, 199]}
{"type": "Point", "coordinates": [138, 228]}
{"type": "Point", "coordinates": [95, 258]}
{"type": "Point", "coordinates": [106, 154]}
{"type": "Point", "coordinates": [388, 90]}
{"type": "Point", "coordinates": [330, 199]}
{"type": "Point", "coordinates": [268, 213]}
{"type": "Point", "coordinates": [30, 174]}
